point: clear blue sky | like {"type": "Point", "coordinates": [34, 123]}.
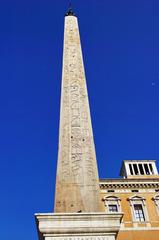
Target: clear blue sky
{"type": "Point", "coordinates": [120, 41]}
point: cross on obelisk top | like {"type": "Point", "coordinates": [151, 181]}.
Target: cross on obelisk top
{"type": "Point", "coordinates": [70, 10]}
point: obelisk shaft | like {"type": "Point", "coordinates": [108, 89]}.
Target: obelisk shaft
{"type": "Point", "coordinates": [77, 183]}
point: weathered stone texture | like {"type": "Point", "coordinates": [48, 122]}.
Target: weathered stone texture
{"type": "Point", "coordinates": [77, 183]}
{"type": "Point", "coordinates": [78, 226]}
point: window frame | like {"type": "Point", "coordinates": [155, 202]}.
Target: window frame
{"type": "Point", "coordinates": [112, 200]}
{"type": "Point", "coordinates": [156, 201]}
{"type": "Point", "coordinates": [112, 208]}
{"type": "Point", "coordinates": [139, 213]}
{"type": "Point", "coordinates": [138, 200]}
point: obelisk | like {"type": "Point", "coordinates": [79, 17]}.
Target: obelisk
{"type": "Point", "coordinates": [77, 182]}
{"type": "Point", "coordinates": [77, 214]}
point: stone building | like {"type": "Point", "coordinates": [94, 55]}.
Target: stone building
{"type": "Point", "coordinates": [87, 208]}
{"type": "Point", "coordinates": [136, 194]}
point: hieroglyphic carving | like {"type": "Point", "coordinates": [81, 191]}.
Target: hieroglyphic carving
{"type": "Point", "coordinates": [82, 157]}
{"type": "Point", "coordinates": [76, 157]}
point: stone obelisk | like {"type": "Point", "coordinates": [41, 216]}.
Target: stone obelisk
{"type": "Point", "coordinates": [77, 183]}
{"type": "Point", "coordinates": [77, 214]}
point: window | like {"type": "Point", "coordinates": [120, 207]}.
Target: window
{"type": "Point", "coordinates": [135, 190]}
{"type": "Point", "coordinates": [113, 208]}
{"type": "Point", "coordinates": [110, 191]}
{"type": "Point", "coordinates": [112, 204]}
{"type": "Point", "coordinates": [138, 212]}
{"type": "Point", "coordinates": [135, 169]}
{"type": "Point", "coordinates": [141, 169]}
{"type": "Point", "coordinates": [151, 168]}
{"type": "Point", "coordinates": [138, 209]}
{"type": "Point", "coordinates": [156, 200]}
{"type": "Point", "coordinates": [146, 169]}
{"type": "Point", "coordinates": [130, 167]}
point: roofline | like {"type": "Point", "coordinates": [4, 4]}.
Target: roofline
{"type": "Point", "coordinates": [140, 160]}
{"type": "Point", "coordinates": [127, 179]}
{"type": "Point", "coordinates": [134, 160]}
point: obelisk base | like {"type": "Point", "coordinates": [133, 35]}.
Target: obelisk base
{"type": "Point", "coordinates": [78, 226]}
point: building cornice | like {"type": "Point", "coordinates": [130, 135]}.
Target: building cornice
{"type": "Point", "coordinates": [128, 183]}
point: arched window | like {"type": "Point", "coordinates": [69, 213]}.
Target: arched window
{"type": "Point", "coordinates": [112, 204]}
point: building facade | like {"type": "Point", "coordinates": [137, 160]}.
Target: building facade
{"type": "Point", "coordinates": [136, 194]}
